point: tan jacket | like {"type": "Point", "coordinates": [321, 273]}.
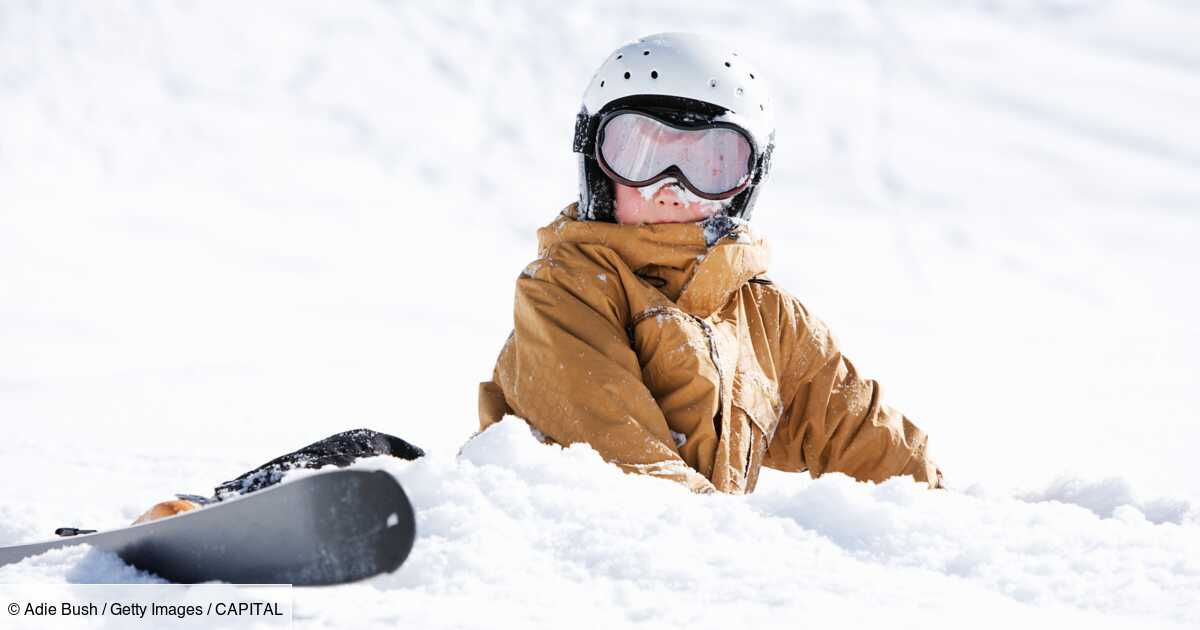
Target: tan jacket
{"type": "Point", "coordinates": [679, 360]}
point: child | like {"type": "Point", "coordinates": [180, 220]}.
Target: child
{"type": "Point", "coordinates": [646, 327]}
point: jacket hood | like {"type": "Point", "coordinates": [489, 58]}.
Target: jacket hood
{"type": "Point", "coordinates": [713, 272]}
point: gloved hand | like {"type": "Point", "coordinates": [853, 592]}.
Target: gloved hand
{"type": "Point", "coordinates": [165, 509]}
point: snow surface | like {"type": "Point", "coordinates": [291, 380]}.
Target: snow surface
{"type": "Point", "coordinates": [519, 534]}
{"type": "Point", "coordinates": [228, 233]}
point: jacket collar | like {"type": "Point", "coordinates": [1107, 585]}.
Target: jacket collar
{"type": "Point", "coordinates": [718, 271]}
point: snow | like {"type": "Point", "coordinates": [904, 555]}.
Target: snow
{"type": "Point", "coordinates": [512, 529]}
{"type": "Point", "coordinates": [227, 234]}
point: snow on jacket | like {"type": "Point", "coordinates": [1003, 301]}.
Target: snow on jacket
{"type": "Point", "coordinates": [680, 360]}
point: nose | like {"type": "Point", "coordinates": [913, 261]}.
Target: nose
{"type": "Point", "coordinates": [667, 197]}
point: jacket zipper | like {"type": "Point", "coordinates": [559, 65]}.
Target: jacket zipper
{"type": "Point", "coordinates": [718, 419]}
{"type": "Point", "coordinates": [716, 359]}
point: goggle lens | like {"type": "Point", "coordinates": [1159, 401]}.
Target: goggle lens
{"type": "Point", "coordinates": [638, 148]}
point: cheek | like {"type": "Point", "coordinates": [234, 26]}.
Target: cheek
{"type": "Point", "coordinates": [629, 203]}
{"type": "Point", "coordinates": [705, 209]}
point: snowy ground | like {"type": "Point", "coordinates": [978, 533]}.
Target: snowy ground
{"type": "Point", "coordinates": [226, 232]}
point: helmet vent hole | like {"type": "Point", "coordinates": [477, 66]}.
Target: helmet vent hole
{"type": "Point", "coordinates": [601, 84]}
{"type": "Point", "coordinates": [654, 74]}
{"type": "Point", "coordinates": [645, 52]}
{"type": "Point", "coordinates": [712, 83]}
{"type": "Point", "coordinates": [626, 75]}
{"type": "Point", "coordinates": [619, 56]}
{"type": "Point", "coordinates": [751, 75]}
{"type": "Point", "coordinates": [761, 107]}
{"type": "Point", "coordinates": [727, 65]}
{"type": "Point", "coordinates": [739, 91]}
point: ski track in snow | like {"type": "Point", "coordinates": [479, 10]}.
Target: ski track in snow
{"type": "Point", "coordinates": [226, 236]}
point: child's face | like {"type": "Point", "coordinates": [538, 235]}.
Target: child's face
{"type": "Point", "coordinates": [664, 201]}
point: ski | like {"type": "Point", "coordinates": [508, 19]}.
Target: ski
{"type": "Point", "coordinates": [328, 528]}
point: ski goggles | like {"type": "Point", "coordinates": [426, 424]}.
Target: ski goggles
{"type": "Point", "coordinates": [714, 160]}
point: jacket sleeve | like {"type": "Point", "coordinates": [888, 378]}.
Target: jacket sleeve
{"type": "Point", "coordinates": [834, 420]}
{"type": "Point", "coordinates": [570, 372]}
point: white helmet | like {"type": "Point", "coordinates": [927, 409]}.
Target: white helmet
{"type": "Point", "coordinates": [687, 78]}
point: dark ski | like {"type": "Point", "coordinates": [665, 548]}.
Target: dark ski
{"type": "Point", "coordinates": [329, 528]}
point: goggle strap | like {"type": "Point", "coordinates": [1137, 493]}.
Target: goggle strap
{"type": "Point", "coordinates": [585, 133]}
{"type": "Point", "coordinates": [764, 165]}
